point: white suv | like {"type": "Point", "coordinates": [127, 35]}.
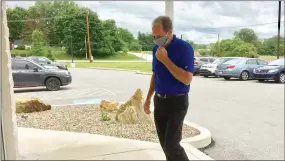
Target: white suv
{"type": "Point", "coordinates": [209, 69]}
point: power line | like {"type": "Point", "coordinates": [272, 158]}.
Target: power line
{"type": "Point", "coordinates": [248, 25]}
{"type": "Point", "coordinates": [82, 14]}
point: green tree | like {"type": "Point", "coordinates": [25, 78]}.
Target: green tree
{"type": "Point", "coordinates": [135, 46]}
{"type": "Point", "coordinates": [246, 35]}
{"type": "Point", "coordinates": [236, 47]}
{"type": "Point", "coordinates": [125, 35]}
{"type": "Point", "coordinates": [16, 20]}
{"type": "Point", "coordinates": [38, 46]}
{"type": "Point", "coordinates": [146, 41]}
{"type": "Point", "coordinates": [270, 46]}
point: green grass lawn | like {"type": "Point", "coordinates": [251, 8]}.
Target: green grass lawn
{"type": "Point", "coordinates": [269, 57]}
{"type": "Point", "coordinates": [61, 55]}
{"type": "Point", "coordinates": [143, 67]}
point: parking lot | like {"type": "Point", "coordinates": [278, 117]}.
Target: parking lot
{"type": "Point", "coordinates": [246, 118]}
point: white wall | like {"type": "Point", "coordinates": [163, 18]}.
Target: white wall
{"type": "Point", "coordinates": [10, 131]}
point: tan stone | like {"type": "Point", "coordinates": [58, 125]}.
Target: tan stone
{"type": "Point", "coordinates": [109, 106]}
{"type": "Point", "coordinates": [30, 105]}
{"type": "Point", "coordinates": [132, 111]}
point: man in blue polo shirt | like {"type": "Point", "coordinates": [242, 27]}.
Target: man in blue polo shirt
{"type": "Point", "coordinates": [173, 67]}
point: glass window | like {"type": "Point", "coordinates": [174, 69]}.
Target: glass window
{"type": "Point", "coordinates": [212, 60]}
{"type": "Point", "coordinates": [251, 61]}
{"type": "Point", "coordinates": [204, 59]}
{"type": "Point", "coordinates": [234, 61]}
{"type": "Point", "coordinates": [261, 62]}
{"type": "Point", "coordinates": [23, 65]}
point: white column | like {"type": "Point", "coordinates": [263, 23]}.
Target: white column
{"type": "Point", "coordinates": [169, 11]}
{"type": "Point", "coordinates": [10, 130]}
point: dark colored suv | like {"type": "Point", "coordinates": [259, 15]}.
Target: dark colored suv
{"type": "Point", "coordinates": [43, 61]}
{"type": "Point", "coordinates": [27, 73]}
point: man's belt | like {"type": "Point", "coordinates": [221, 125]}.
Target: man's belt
{"type": "Point", "coordinates": [169, 95]}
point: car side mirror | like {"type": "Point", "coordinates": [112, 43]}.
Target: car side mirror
{"type": "Point", "coordinates": [48, 62]}
{"type": "Point", "coordinates": [36, 69]}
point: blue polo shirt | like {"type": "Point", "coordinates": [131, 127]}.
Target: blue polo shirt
{"type": "Point", "coordinates": [181, 53]}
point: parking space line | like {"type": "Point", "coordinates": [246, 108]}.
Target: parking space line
{"type": "Point", "coordinates": [69, 94]}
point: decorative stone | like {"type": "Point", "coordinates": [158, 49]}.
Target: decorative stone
{"type": "Point", "coordinates": [31, 105]}
{"type": "Point", "coordinates": [132, 111]}
{"type": "Point", "coordinates": [109, 106]}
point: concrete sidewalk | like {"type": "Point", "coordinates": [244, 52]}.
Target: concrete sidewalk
{"type": "Point", "coordinates": [36, 144]}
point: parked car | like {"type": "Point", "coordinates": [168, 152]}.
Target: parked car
{"type": "Point", "coordinates": [241, 68]}
{"type": "Point", "coordinates": [44, 61]}
{"type": "Point", "coordinates": [275, 70]}
{"type": "Point", "coordinates": [207, 70]}
{"type": "Point", "coordinates": [199, 61]}
{"type": "Point", "coordinates": [27, 73]}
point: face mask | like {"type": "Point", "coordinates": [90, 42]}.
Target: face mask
{"type": "Point", "coordinates": [161, 41]}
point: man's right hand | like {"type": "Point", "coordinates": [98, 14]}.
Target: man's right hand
{"type": "Point", "coordinates": [147, 106]}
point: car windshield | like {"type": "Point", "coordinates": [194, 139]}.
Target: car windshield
{"type": "Point", "coordinates": [234, 61]}
{"type": "Point", "coordinates": [277, 62]}
{"type": "Point", "coordinates": [219, 61]}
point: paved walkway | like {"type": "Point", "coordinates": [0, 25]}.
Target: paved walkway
{"type": "Point", "coordinates": [147, 57]}
{"type": "Point", "coordinates": [36, 144]}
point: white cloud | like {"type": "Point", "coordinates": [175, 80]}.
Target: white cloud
{"type": "Point", "coordinates": [199, 21]}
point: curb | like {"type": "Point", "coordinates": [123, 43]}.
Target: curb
{"type": "Point", "coordinates": [200, 141]}
{"type": "Point", "coordinates": [117, 69]}
{"type": "Point", "coordinates": [194, 151]}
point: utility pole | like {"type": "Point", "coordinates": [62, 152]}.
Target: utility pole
{"type": "Point", "coordinates": [278, 37]}
{"type": "Point", "coordinates": [71, 43]}
{"type": "Point", "coordinates": [88, 37]}
{"type": "Point", "coordinates": [219, 51]}
{"type": "Point", "coordinates": [181, 36]}
{"type": "Point", "coordinates": [85, 48]}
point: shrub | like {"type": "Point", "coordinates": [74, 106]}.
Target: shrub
{"type": "Point", "coordinates": [21, 47]}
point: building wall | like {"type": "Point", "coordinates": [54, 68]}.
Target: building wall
{"type": "Point", "coordinates": [10, 131]}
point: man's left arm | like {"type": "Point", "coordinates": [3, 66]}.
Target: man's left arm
{"type": "Point", "coordinates": [183, 75]}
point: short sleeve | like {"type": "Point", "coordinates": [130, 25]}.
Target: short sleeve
{"type": "Point", "coordinates": [188, 58]}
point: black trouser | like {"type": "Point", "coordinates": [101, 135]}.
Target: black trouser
{"type": "Point", "coordinates": [169, 114]}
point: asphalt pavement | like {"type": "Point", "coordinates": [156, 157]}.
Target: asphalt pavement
{"type": "Point", "coordinates": [246, 118]}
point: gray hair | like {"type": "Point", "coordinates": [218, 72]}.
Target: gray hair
{"type": "Point", "coordinates": [165, 21]}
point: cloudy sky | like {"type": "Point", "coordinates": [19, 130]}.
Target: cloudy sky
{"type": "Point", "coordinates": [199, 21]}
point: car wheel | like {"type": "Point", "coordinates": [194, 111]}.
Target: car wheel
{"type": "Point", "coordinates": [281, 78]}
{"type": "Point", "coordinates": [52, 84]}
{"type": "Point", "coordinates": [244, 75]}
{"type": "Point", "coordinates": [206, 76]}
{"type": "Point", "coordinates": [227, 78]}
{"type": "Point", "coordinates": [261, 80]}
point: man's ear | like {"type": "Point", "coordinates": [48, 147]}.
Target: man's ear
{"type": "Point", "coordinates": [170, 32]}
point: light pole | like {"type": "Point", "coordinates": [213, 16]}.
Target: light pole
{"type": "Point", "coordinates": [278, 37]}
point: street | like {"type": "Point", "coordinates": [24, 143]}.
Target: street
{"type": "Point", "coordinates": [246, 118]}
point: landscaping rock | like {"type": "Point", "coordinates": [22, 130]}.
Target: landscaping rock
{"type": "Point", "coordinates": [132, 112]}
{"type": "Point", "coordinates": [109, 106]}
{"type": "Point", "coordinates": [30, 105]}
